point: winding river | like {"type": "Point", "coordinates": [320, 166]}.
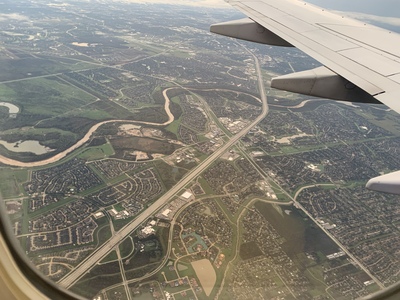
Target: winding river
{"type": "Point", "coordinates": [57, 157]}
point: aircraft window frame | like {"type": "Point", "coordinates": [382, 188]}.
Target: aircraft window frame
{"type": "Point", "coordinates": [44, 285]}
{"type": "Point", "coordinates": [50, 289]}
{"type": "Point", "coordinates": [53, 291]}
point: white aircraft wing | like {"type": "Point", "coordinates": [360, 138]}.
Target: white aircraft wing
{"type": "Point", "coordinates": [361, 62]}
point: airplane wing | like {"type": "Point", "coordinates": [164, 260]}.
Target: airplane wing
{"type": "Point", "coordinates": [361, 62]}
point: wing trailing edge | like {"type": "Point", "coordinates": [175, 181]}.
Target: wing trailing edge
{"type": "Point", "coordinates": [361, 62]}
{"type": "Point", "coordinates": [319, 82]}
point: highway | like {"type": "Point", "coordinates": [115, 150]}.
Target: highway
{"type": "Point", "coordinates": [102, 251]}
{"type": "Point", "coordinates": [333, 238]}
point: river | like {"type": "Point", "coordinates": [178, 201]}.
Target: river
{"type": "Point", "coordinates": [57, 157]}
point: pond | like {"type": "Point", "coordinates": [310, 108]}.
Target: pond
{"type": "Point", "coordinates": [31, 146]}
{"type": "Point", "coordinates": [301, 234]}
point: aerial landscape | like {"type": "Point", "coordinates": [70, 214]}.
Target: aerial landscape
{"type": "Point", "coordinates": [143, 157]}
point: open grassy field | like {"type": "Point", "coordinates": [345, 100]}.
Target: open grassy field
{"type": "Point", "coordinates": [98, 278]}
{"type": "Point", "coordinates": [110, 257]}
{"type": "Point", "coordinates": [14, 69]}
{"type": "Point", "coordinates": [11, 182]}
{"type": "Point", "coordinates": [144, 144]}
{"type": "Point", "coordinates": [126, 248]}
{"type": "Point", "coordinates": [97, 152]}
{"type": "Point", "coordinates": [169, 175]}
{"type": "Point", "coordinates": [38, 96]}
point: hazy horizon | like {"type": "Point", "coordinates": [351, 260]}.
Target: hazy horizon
{"type": "Point", "coordinates": [380, 13]}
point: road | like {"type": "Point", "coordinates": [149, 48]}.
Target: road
{"type": "Point", "coordinates": [167, 254]}
{"type": "Point", "coordinates": [98, 254]}
{"type": "Point", "coordinates": [333, 238]}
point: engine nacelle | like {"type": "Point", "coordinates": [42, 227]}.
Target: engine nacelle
{"type": "Point", "coordinates": [388, 183]}
{"type": "Point", "coordinates": [322, 82]}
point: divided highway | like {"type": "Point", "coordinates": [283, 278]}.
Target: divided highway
{"type": "Point", "coordinates": [102, 251]}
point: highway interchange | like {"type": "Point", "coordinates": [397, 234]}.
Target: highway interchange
{"type": "Point", "coordinates": [96, 256]}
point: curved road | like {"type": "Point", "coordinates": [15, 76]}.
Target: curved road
{"type": "Point", "coordinates": [91, 261]}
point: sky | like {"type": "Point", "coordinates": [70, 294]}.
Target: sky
{"type": "Point", "coordinates": [383, 13]}
{"type": "Point", "coordinates": [388, 8]}
{"type": "Point", "coordinates": [201, 3]}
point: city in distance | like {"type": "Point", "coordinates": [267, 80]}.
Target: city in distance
{"type": "Point", "coordinates": [140, 160]}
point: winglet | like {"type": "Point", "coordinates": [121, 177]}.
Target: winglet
{"type": "Point", "coordinates": [388, 183]}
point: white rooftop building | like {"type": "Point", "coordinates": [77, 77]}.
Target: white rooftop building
{"type": "Point", "coordinates": [166, 212]}
{"type": "Point", "coordinates": [148, 230]}
{"type": "Point", "coordinates": [187, 195]}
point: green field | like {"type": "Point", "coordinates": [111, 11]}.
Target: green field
{"type": "Point", "coordinates": [126, 248]}
{"type": "Point", "coordinates": [169, 175]}
{"type": "Point", "coordinates": [205, 186]}
{"type": "Point", "coordinates": [54, 126]}
{"type": "Point", "coordinates": [11, 182]}
{"type": "Point", "coordinates": [37, 96]}
{"type": "Point", "coordinates": [174, 126]}
{"type": "Point", "coordinates": [14, 69]}
{"type": "Point", "coordinates": [101, 276]}
{"type": "Point", "coordinates": [98, 152]}
{"type": "Point", "coordinates": [110, 257]}
{"type": "Point", "coordinates": [169, 274]}
{"type": "Point", "coordinates": [117, 293]}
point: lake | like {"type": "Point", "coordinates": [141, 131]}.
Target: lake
{"type": "Point", "coordinates": [31, 146]}
{"type": "Point", "coordinates": [300, 233]}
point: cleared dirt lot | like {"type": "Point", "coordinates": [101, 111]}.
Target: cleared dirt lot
{"type": "Point", "coordinates": [206, 274]}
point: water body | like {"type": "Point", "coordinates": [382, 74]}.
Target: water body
{"type": "Point", "coordinates": [198, 240]}
{"type": "Point", "coordinates": [26, 146]}
{"type": "Point", "coordinates": [300, 234]}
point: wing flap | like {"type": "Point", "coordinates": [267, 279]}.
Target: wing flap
{"type": "Point", "coordinates": [334, 41]}
{"type": "Point", "coordinates": [368, 36]}
{"type": "Point", "coordinates": [373, 61]}
{"type": "Point", "coordinates": [391, 99]}
{"type": "Point", "coordinates": [395, 78]}
{"type": "Point", "coordinates": [331, 40]}
{"type": "Point", "coordinates": [351, 51]}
